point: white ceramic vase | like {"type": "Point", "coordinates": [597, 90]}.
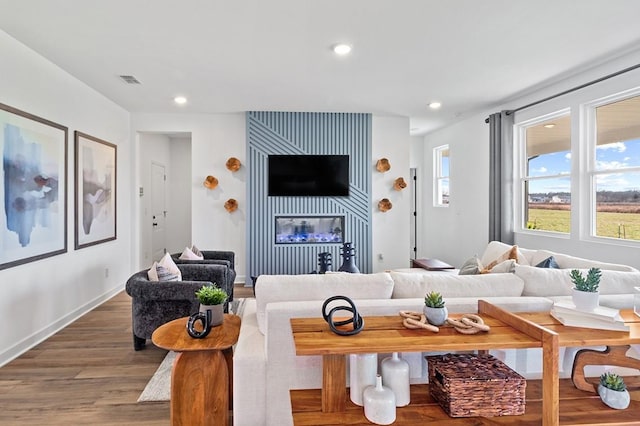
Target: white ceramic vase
{"type": "Point", "coordinates": [614, 399]}
{"type": "Point", "coordinates": [217, 313]}
{"type": "Point", "coordinates": [585, 300]}
{"type": "Point", "coordinates": [395, 376]}
{"type": "Point", "coordinates": [379, 403]}
{"type": "Point", "coordinates": [363, 369]}
{"type": "Point", "coordinates": [436, 316]}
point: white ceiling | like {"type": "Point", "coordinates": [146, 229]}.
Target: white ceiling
{"type": "Point", "coordinates": [240, 55]}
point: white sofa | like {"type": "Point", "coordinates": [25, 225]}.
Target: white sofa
{"type": "Point", "coordinates": [265, 364]}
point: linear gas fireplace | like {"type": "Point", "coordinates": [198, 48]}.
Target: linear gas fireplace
{"type": "Point", "coordinates": [309, 229]}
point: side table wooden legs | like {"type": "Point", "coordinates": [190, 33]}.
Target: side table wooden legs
{"type": "Point", "coordinates": [613, 355]}
{"type": "Point", "coordinates": [200, 389]}
{"type": "Point", "coordinates": [334, 383]}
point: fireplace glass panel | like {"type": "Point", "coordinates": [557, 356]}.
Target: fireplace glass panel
{"type": "Point", "coordinates": [309, 229]}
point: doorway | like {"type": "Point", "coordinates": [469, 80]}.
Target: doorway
{"type": "Point", "coordinates": [158, 211]}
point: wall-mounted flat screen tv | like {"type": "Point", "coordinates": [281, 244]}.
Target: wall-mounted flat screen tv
{"type": "Point", "coordinates": [308, 175]}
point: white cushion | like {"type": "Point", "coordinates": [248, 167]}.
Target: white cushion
{"type": "Point", "coordinates": [281, 288]}
{"type": "Point", "coordinates": [546, 282]}
{"type": "Point", "coordinates": [485, 285]}
{"type": "Point", "coordinates": [188, 254]}
{"type": "Point", "coordinates": [167, 263]}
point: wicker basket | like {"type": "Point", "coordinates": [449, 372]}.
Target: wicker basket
{"type": "Point", "coordinates": [468, 385]}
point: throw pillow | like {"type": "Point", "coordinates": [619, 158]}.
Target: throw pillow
{"type": "Point", "coordinates": [549, 262]}
{"type": "Point", "coordinates": [188, 254]}
{"type": "Point", "coordinates": [168, 263]}
{"type": "Point", "coordinates": [196, 251]}
{"type": "Point", "coordinates": [507, 266]}
{"type": "Point", "coordinates": [165, 275]}
{"type": "Point", "coordinates": [512, 253]}
{"type": "Point", "coordinates": [152, 273]}
{"type": "Point", "coordinates": [471, 267]}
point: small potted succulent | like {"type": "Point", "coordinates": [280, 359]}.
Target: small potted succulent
{"type": "Point", "coordinates": [212, 298]}
{"type": "Point", "coordinates": [434, 308]}
{"type": "Point", "coordinates": [585, 291]}
{"type": "Point", "coordinates": [613, 391]}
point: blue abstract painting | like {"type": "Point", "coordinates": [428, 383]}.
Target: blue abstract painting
{"type": "Point", "coordinates": [33, 179]}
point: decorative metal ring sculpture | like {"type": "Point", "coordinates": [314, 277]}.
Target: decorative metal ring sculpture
{"type": "Point", "coordinates": [356, 319]}
{"type": "Point", "coordinates": [205, 321]}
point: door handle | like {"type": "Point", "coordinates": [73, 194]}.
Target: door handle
{"type": "Point", "coordinates": [155, 224]}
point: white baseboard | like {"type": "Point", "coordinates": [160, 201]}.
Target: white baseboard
{"type": "Point", "coordinates": [39, 336]}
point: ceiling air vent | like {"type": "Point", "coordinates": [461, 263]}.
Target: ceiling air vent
{"type": "Point", "coordinates": [129, 79]}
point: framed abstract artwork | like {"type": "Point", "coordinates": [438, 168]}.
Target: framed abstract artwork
{"type": "Point", "coordinates": [33, 187]}
{"type": "Point", "coordinates": [95, 185]}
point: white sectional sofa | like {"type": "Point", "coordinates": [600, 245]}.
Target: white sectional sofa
{"type": "Point", "coordinates": [265, 364]}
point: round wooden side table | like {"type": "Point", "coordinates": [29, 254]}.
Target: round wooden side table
{"type": "Point", "coordinates": [202, 373]}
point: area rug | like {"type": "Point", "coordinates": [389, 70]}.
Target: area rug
{"type": "Point", "coordinates": [159, 386]}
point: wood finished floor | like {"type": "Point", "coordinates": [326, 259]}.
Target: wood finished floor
{"type": "Point", "coordinates": [86, 374]}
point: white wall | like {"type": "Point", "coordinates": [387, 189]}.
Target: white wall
{"type": "Point", "coordinates": [39, 298]}
{"type": "Point", "coordinates": [391, 140]}
{"type": "Point", "coordinates": [214, 138]}
{"type": "Point", "coordinates": [460, 231]}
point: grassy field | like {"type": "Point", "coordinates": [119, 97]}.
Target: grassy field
{"type": "Point", "coordinates": [615, 223]}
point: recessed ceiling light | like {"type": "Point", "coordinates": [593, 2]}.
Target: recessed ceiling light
{"type": "Point", "coordinates": [549, 126]}
{"type": "Point", "coordinates": [180, 100]}
{"type": "Point", "coordinates": [341, 49]}
{"type": "Point", "coordinates": [435, 105]}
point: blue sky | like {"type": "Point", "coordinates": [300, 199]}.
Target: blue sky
{"type": "Point", "coordinates": [611, 156]}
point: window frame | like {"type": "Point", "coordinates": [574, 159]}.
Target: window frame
{"type": "Point", "coordinates": [438, 176]}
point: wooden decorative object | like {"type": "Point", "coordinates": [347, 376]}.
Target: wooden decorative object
{"type": "Point", "coordinates": [233, 164]}
{"type": "Point", "coordinates": [469, 385]}
{"type": "Point", "coordinates": [384, 205]}
{"type": "Point", "coordinates": [231, 205]}
{"type": "Point", "coordinates": [399, 184]}
{"type": "Point", "coordinates": [383, 165]}
{"type": "Point", "coordinates": [210, 182]}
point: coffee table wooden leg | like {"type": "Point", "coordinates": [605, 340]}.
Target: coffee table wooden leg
{"type": "Point", "coordinates": [550, 381]}
{"type": "Point", "coordinates": [199, 389]}
{"type": "Point", "coordinates": [334, 383]}
{"type": "Point", "coordinates": [612, 355]}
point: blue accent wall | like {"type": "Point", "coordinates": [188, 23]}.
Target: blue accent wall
{"type": "Point", "coordinates": [307, 133]}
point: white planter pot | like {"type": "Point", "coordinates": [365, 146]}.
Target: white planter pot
{"type": "Point", "coordinates": [584, 300]}
{"type": "Point", "coordinates": [436, 316]}
{"type": "Point", "coordinates": [614, 399]}
{"type": "Point", "coordinates": [217, 313]}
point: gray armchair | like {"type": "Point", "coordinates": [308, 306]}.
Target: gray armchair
{"type": "Point", "coordinates": [214, 257]}
{"type": "Point", "coordinates": [156, 303]}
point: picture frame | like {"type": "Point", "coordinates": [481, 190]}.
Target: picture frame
{"type": "Point", "coordinates": [95, 190]}
{"type": "Point", "coordinates": [33, 187]}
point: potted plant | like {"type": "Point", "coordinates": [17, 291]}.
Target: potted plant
{"type": "Point", "coordinates": [613, 391]}
{"type": "Point", "coordinates": [212, 299]}
{"type": "Point", "coordinates": [585, 292]}
{"type": "Point", "coordinates": [434, 308]}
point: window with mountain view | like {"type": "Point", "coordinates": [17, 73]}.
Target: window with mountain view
{"type": "Point", "coordinates": [616, 170]}
{"type": "Point", "coordinates": [547, 175]}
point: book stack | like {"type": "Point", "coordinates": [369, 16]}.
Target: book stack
{"type": "Point", "coordinates": [602, 318]}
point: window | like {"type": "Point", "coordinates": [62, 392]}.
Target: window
{"type": "Point", "coordinates": [441, 176]}
{"type": "Point", "coordinates": [547, 174]}
{"type": "Point", "coordinates": [616, 170]}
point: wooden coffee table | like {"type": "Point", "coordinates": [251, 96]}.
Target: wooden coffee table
{"type": "Point", "coordinates": [202, 371]}
{"type": "Point", "coordinates": [387, 334]}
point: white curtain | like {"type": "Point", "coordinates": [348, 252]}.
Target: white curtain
{"type": "Point", "coordinates": [501, 207]}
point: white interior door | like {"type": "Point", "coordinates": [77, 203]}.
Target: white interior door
{"type": "Point", "coordinates": [158, 211]}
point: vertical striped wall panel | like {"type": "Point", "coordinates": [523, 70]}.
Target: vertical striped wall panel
{"type": "Point", "coordinates": [307, 133]}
